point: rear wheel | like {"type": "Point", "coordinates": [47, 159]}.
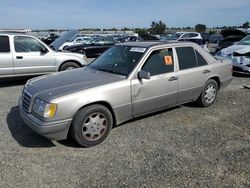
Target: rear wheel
{"type": "Point", "coordinates": [91, 125]}
{"type": "Point", "coordinates": [208, 94]}
{"type": "Point", "coordinates": [69, 66]}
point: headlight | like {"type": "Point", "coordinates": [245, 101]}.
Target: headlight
{"type": "Point", "coordinates": [44, 109]}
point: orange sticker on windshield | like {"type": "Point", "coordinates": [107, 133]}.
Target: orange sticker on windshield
{"type": "Point", "coordinates": [168, 60]}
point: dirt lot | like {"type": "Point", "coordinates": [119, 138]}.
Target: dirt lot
{"type": "Point", "coordinates": [185, 146]}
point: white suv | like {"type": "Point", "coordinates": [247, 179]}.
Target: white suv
{"type": "Point", "coordinates": [26, 55]}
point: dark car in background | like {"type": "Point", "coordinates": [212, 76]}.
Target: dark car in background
{"type": "Point", "coordinates": [230, 37]}
{"type": "Point", "coordinates": [94, 49]}
{"type": "Point", "coordinates": [50, 38]}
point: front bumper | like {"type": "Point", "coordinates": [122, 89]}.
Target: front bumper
{"type": "Point", "coordinates": [241, 70]}
{"type": "Point", "coordinates": [57, 130]}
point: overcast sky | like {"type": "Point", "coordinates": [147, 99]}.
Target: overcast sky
{"type": "Point", "coordinates": [76, 14]}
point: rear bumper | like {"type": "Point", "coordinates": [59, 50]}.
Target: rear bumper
{"type": "Point", "coordinates": [57, 130]}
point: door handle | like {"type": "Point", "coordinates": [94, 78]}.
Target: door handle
{"type": "Point", "coordinates": [173, 78]}
{"type": "Point", "coordinates": [206, 71]}
{"type": "Point", "coordinates": [19, 57]}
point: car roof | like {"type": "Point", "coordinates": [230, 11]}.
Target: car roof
{"type": "Point", "coordinates": [13, 34]}
{"type": "Point", "coordinates": [153, 43]}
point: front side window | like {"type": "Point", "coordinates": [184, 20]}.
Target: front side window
{"type": "Point", "coordinates": [27, 44]}
{"type": "Point", "coordinates": [4, 44]}
{"type": "Point", "coordinates": [185, 35]}
{"type": "Point", "coordinates": [186, 57]}
{"type": "Point", "coordinates": [118, 60]}
{"type": "Point", "coordinates": [159, 62]}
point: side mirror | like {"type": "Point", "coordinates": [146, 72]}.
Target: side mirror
{"type": "Point", "coordinates": [144, 75]}
{"type": "Point", "coordinates": [43, 50]}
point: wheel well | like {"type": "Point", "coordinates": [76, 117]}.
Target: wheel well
{"type": "Point", "coordinates": [107, 105]}
{"type": "Point", "coordinates": [73, 61]}
{"type": "Point", "coordinates": [217, 79]}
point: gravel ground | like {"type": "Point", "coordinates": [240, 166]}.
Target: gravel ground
{"type": "Point", "coordinates": [185, 146]}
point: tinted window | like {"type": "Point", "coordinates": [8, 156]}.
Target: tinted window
{"type": "Point", "coordinates": [186, 57]}
{"type": "Point", "coordinates": [159, 62]}
{"type": "Point", "coordinates": [185, 35]}
{"type": "Point", "coordinates": [200, 60]}
{"type": "Point", "coordinates": [193, 35]}
{"type": "Point", "coordinates": [27, 44]}
{"type": "Point", "coordinates": [4, 44]}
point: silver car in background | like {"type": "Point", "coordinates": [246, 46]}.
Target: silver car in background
{"type": "Point", "coordinates": [127, 81]}
{"type": "Point", "coordinates": [22, 55]}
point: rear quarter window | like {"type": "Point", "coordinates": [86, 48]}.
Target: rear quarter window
{"type": "Point", "coordinates": [4, 44]}
{"type": "Point", "coordinates": [200, 59]}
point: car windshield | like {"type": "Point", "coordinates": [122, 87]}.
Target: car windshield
{"type": "Point", "coordinates": [119, 60]}
{"type": "Point", "coordinates": [245, 41]}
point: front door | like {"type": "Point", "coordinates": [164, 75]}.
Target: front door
{"type": "Point", "coordinates": [28, 57]}
{"type": "Point", "coordinates": [160, 91]}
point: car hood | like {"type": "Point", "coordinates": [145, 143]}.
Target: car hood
{"type": "Point", "coordinates": [62, 83]}
{"type": "Point", "coordinates": [67, 53]}
{"type": "Point", "coordinates": [77, 46]}
{"type": "Point", "coordinates": [233, 32]}
{"type": "Point", "coordinates": [241, 49]}
{"type": "Point", "coordinates": [62, 39]}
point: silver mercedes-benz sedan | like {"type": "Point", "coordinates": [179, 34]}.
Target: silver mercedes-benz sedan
{"type": "Point", "coordinates": [127, 81]}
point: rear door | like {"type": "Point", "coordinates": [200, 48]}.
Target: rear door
{"type": "Point", "coordinates": [6, 62]}
{"type": "Point", "coordinates": [193, 73]}
{"type": "Point", "coordinates": [28, 57]}
{"type": "Point", "coordinates": [160, 91]}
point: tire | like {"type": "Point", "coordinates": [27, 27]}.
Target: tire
{"type": "Point", "coordinates": [91, 125]}
{"type": "Point", "coordinates": [208, 94]}
{"type": "Point", "coordinates": [82, 52]}
{"type": "Point", "coordinates": [69, 66]}
{"type": "Point", "coordinates": [64, 48]}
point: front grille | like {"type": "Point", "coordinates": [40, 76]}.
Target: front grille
{"type": "Point", "coordinates": [26, 101]}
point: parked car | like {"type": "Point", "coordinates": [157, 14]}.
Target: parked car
{"type": "Point", "coordinates": [94, 49]}
{"type": "Point", "coordinates": [190, 35]}
{"type": "Point", "coordinates": [230, 36]}
{"type": "Point", "coordinates": [25, 55]}
{"type": "Point", "coordinates": [194, 37]}
{"type": "Point", "coordinates": [76, 40]}
{"type": "Point", "coordinates": [127, 81]}
{"type": "Point", "coordinates": [50, 38]}
{"type": "Point", "coordinates": [239, 54]}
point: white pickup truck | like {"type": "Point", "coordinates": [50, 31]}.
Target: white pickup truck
{"type": "Point", "coordinates": [22, 55]}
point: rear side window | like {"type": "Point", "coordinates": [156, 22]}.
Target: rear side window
{"type": "Point", "coordinates": [186, 57]}
{"type": "Point", "coordinates": [4, 44]}
{"type": "Point", "coordinates": [193, 35]}
{"type": "Point", "coordinates": [159, 62]}
{"type": "Point", "coordinates": [200, 60]}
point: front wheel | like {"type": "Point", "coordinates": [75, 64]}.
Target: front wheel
{"type": "Point", "coordinates": [69, 66]}
{"type": "Point", "coordinates": [208, 94]}
{"type": "Point", "coordinates": [91, 125]}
